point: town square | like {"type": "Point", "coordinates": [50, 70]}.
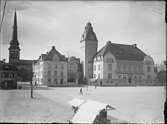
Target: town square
{"type": "Point", "coordinates": [83, 62]}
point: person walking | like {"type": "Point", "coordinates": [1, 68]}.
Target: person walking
{"type": "Point", "coordinates": [81, 92]}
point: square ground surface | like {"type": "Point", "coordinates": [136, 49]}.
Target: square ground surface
{"type": "Point", "coordinates": [133, 104]}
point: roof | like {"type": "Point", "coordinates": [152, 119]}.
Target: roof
{"type": "Point", "coordinates": [122, 51]}
{"type": "Point", "coordinates": [7, 67]}
{"type": "Point", "coordinates": [49, 55]}
{"type": "Point", "coordinates": [88, 111]}
{"type": "Point", "coordinates": [76, 102]}
{"type": "Point", "coordinates": [89, 34]}
{"type": "Point", "coordinates": [22, 61]}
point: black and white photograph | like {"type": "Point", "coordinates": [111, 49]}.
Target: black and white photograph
{"type": "Point", "coordinates": [89, 62]}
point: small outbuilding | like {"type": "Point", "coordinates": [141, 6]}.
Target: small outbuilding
{"type": "Point", "coordinates": [90, 111]}
{"type": "Point", "coordinates": [8, 76]}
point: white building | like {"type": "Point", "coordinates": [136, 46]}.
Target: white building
{"type": "Point", "coordinates": [50, 69]}
{"type": "Point", "coordinates": [119, 64]}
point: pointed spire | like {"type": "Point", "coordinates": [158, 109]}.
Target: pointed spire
{"type": "Point", "coordinates": [14, 44]}
{"type": "Point", "coordinates": [14, 38]}
{"type": "Point", "coordinates": [89, 34]}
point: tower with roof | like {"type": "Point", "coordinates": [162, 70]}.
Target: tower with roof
{"type": "Point", "coordinates": [14, 50]}
{"type": "Point", "coordinates": [89, 45]}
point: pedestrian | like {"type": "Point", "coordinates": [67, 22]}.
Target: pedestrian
{"type": "Point", "coordinates": [81, 91]}
{"type": "Point", "coordinates": [95, 86]}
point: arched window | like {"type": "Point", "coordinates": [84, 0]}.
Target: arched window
{"type": "Point", "coordinates": [124, 77]}
{"type": "Point", "coordinates": [148, 77]}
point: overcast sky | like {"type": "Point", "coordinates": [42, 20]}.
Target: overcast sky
{"type": "Point", "coordinates": [42, 24]}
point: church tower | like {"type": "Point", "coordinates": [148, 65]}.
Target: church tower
{"type": "Point", "coordinates": [14, 50]}
{"type": "Point", "coordinates": [89, 44]}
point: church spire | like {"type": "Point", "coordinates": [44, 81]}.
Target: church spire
{"type": "Point", "coordinates": [14, 50]}
{"type": "Point", "coordinates": [15, 28]}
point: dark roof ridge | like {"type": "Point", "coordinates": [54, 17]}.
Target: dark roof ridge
{"type": "Point", "coordinates": [122, 51]}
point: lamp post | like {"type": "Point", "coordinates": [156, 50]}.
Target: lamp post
{"type": "Point", "coordinates": [31, 86]}
{"type": "Point", "coordinates": [31, 90]}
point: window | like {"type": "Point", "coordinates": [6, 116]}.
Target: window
{"type": "Point", "coordinates": [148, 69]}
{"type": "Point", "coordinates": [135, 69]}
{"type": "Point", "coordinates": [94, 67]}
{"type": "Point", "coordinates": [135, 77]}
{"type": "Point", "coordinates": [124, 66]}
{"type": "Point", "coordinates": [99, 67]}
{"type": "Point", "coordinates": [119, 76]}
{"type": "Point", "coordinates": [55, 73]}
{"type": "Point", "coordinates": [62, 67]}
{"type": "Point", "coordinates": [109, 67]}
{"type": "Point", "coordinates": [49, 66]}
{"type": "Point", "coordinates": [49, 72]}
{"type": "Point", "coordinates": [140, 77]}
{"type": "Point", "coordinates": [49, 80]}
{"type": "Point", "coordinates": [129, 68]}
{"type": "Point", "coordinates": [140, 68]}
{"type": "Point", "coordinates": [61, 81]}
{"type": "Point", "coordinates": [1, 75]}
{"type": "Point", "coordinates": [109, 75]}
{"type": "Point", "coordinates": [148, 76]}
{"type": "Point", "coordinates": [61, 73]}
{"type": "Point", "coordinates": [55, 66]}
{"type": "Point", "coordinates": [98, 75]}
{"type": "Point", "coordinates": [55, 80]}
{"type": "Point", "coordinates": [109, 60]}
{"type": "Point", "coordinates": [11, 75]}
{"type": "Point", "coordinates": [124, 77]}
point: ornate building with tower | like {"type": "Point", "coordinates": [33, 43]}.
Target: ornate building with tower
{"type": "Point", "coordinates": [24, 66]}
{"type": "Point", "coordinates": [115, 64]}
{"type": "Point", "coordinates": [89, 44]}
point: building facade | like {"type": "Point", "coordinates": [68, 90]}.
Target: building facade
{"type": "Point", "coordinates": [119, 64]}
{"type": "Point", "coordinates": [8, 76]}
{"type": "Point", "coordinates": [74, 70]}
{"type": "Point", "coordinates": [50, 69]}
{"type": "Point", "coordinates": [89, 49]}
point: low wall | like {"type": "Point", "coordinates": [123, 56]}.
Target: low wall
{"type": "Point", "coordinates": [122, 82]}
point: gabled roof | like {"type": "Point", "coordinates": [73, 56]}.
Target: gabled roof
{"type": "Point", "coordinates": [51, 53]}
{"type": "Point", "coordinates": [26, 61]}
{"type": "Point", "coordinates": [122, 52]}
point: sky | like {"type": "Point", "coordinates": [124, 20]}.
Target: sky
{"type": "Point", "coordinates": [42, 24]}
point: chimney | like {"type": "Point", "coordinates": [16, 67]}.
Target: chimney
{"type": "Point", "coordinates": [134, 45]}
{"type": "Point", "coordinates": [53, 47]}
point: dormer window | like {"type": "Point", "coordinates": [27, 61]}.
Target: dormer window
{"type": "Point", "coordinates": [109, 60]}
{"type": "Point", "coordinates": [55, 58]}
